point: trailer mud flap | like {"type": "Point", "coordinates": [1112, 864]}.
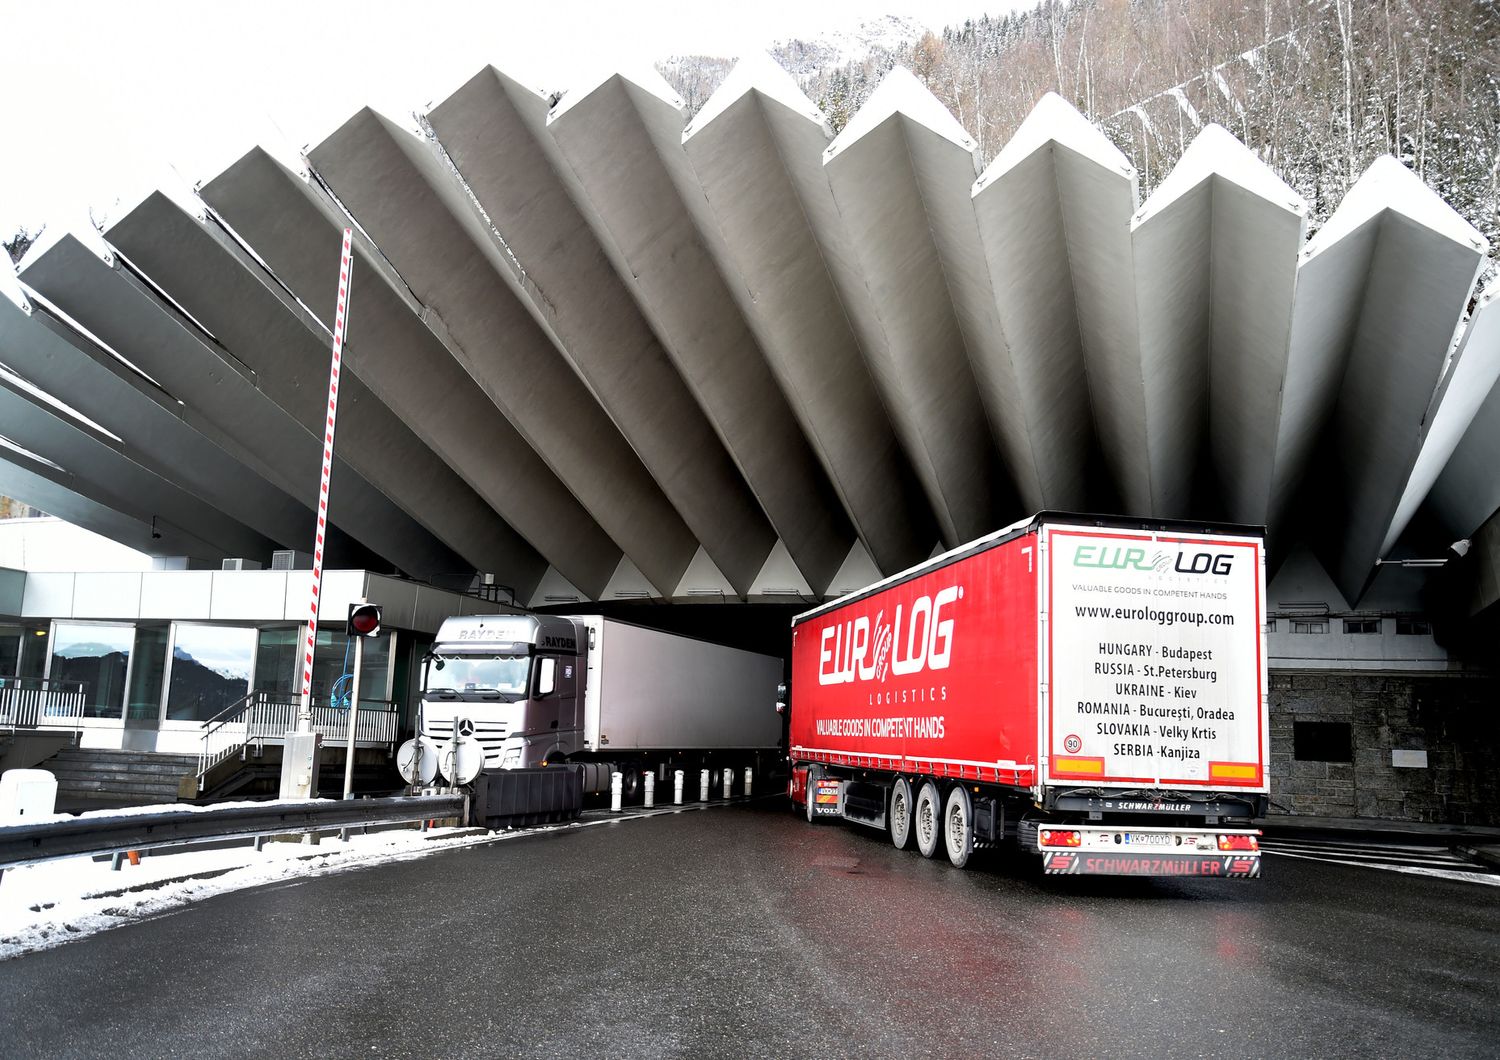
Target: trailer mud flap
{"type": "Point", "coordinates": [824, 792]}
{"type": "Point", "coordinates": [520, 798]}
{"type": "Point", "coordinates": [1217, 866]}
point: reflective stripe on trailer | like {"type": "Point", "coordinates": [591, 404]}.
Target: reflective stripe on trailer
{"type": "Point", "coordinates": [1111, 863]}
{"type": "Point", "coordinates": [1000, 772]}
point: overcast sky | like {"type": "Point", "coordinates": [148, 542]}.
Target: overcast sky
{"type": "Point", "coordinates": [103, 101]}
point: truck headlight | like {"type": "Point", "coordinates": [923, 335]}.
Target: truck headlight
{"type": "Point", "coordinates": [510, 757]}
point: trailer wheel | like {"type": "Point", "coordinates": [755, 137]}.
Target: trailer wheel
{"type": "Point", "coordinates": [927, 821]}
{"type": "Point", "coordinates": [807, 795]}
{"type": "Point", "coordinates": [900, 816]}
{"type": "Point", "coordinates": [958, 826]}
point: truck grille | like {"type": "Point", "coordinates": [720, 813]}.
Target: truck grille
{"type": "Point", "coordinates": [490, 734]}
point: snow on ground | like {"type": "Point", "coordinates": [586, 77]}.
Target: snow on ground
{"type": "Point", "coordinates": [56, 902]}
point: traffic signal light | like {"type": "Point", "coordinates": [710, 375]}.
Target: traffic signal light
{"type": "Point", "coordinates": [364, 621]}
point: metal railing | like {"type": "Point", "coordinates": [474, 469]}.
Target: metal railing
{"type": "Point", "coordinates": [37, 703]}
{"type": "Point", "coordinates": [263, 718]}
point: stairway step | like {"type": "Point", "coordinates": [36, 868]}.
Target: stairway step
{"type": "Point", "coordinates": [77, 784]}
{"type": "Point", "coordinates": [151, 769]}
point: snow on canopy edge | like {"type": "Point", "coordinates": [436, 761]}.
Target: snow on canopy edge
{"type": "Point", "coordinates": [642, 75]}
{"type": "Point", "coordinates": [1055, 120]}
{"type": "Point", "coordinates": [902, 93]}
{"type": "Point", "coordinates": [1217, 152]}
{"type": "Point", "coordinates": [1389, 185]}
{"type": "Point", "coordinates": [82, 230]}
{"type": "Point", "coordinates": [756, 72]}
{"type": "Point", "coordinates": [10, 287]}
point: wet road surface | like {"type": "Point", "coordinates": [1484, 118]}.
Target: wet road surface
{"type": "Point", "coordinates": [744, 931]}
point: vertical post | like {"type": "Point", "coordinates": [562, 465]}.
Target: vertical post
{"type": "Point", "coordinates": [340, 317]}
{"type": "Point", "coordinates": [359, 659]}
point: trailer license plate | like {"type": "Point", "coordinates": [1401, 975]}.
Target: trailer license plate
{"type": "Point", "coordinates": [1148, 839]}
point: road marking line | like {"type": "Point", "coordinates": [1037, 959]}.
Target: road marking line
{"type": "Point", "coordinates": [1414, 870]}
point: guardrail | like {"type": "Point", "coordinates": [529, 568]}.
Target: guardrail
{"type": "Point", "coordinates": [29, 844]}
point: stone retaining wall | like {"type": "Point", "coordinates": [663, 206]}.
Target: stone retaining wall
{"type": "Point", "coordinates": [1455, 718]}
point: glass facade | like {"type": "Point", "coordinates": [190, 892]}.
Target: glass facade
{"type": "Point", "coordinates": [143, 704]}
{"type": "Point", "coordinates": [211, 669]}
{"type": "Point", "coordinates": [333, 669]}
{"type": "Point", "coordinates": [97, 656]}
{"type": "Point", "coordinates": [10, 650]}
{"type": "Point", "coordinates": [190, 672]}
{"type": "Point", "coordinates": [276, 661]}
{"type": "Point", "coordinates": [34, 645]}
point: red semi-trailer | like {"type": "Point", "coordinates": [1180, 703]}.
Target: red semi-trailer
{"type": "Point", "coordinates": [1091, 688]}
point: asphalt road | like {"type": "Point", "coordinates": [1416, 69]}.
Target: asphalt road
{"type": "Point", "coordinates": [744, 931]}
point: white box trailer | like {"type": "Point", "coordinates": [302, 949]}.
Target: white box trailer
{"type": "Point", "coordinates": [646, 690]}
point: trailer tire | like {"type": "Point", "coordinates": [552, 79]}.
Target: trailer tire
{"type": "Point", "coordinates": [958, 826]}
{"type": "Point", "coordinates": [927, 821]}
{"type": "Point", "coordinates": [899, 817]}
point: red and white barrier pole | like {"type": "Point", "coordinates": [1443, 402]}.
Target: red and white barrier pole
{"type": "Point", "coordinates": [340, 317]}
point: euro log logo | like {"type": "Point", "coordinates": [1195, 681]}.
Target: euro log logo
{"type": "Point", "coordinates": [865, 649]}
{"type": "Point", "coordinates": [1119, 557]}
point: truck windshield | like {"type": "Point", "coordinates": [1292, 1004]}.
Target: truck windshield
{"type": "Point", "coordinates": [478, 673]}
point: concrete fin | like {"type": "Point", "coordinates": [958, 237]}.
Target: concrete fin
{"type": "Point", "coordinates": [1215, 152]}
{"type": "Point", "coordinates": [1055, 120]}
{"type": "Point", "coordinates": [1471, 378]}
{"type": "Point", "coordinates": [858, 571]}
{"type": "Point", "coordinates": [628, 583]}
{"type": "Point", "coordinates": [780, 576]}
{"type": "Point", "coordinates": [756, 73]}
{"type": "Point", "coordinates": [902, 93]}
{"type": "Point", "coordinates": [1389, 185]}
{"type": "Point", "coordinates": [703, 578]}
{"type": "Point", "coordinates": [554, 589]}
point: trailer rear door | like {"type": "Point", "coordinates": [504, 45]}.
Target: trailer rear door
{"type": "Point", "coordinates": [1154, 668]}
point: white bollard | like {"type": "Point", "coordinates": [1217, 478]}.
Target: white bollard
{"type": "Point", "coordinates": [703, 786]}
{"type": "Point", "coordinates": [677, 788]}
{"type": "Point", "coordinates": [728, 781]}
{"type": "Point", "coordinates": [650, 790]}
{"type": "Point", "coordinates": [616, 787]}
{"type": "Point", "coordinates": [749, 777]}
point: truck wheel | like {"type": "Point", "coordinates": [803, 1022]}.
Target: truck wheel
{"type": "Point", "coordinates": [899, 818]}
{"type": "Point", "coordinates": [807, 799]}
{"type": "Point", "coordinates": [958, 826]}
{"type": "Point", "coordinates": [927, 821]}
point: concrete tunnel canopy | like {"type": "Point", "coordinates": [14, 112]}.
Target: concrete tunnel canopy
{"type": "Point", "coordinates": [597, 353]}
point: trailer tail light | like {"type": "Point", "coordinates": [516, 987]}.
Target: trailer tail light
{"type": "Point", "coordinates": [1238, 842]}
{"type": "Point", "coordinates": [1051, 838]}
